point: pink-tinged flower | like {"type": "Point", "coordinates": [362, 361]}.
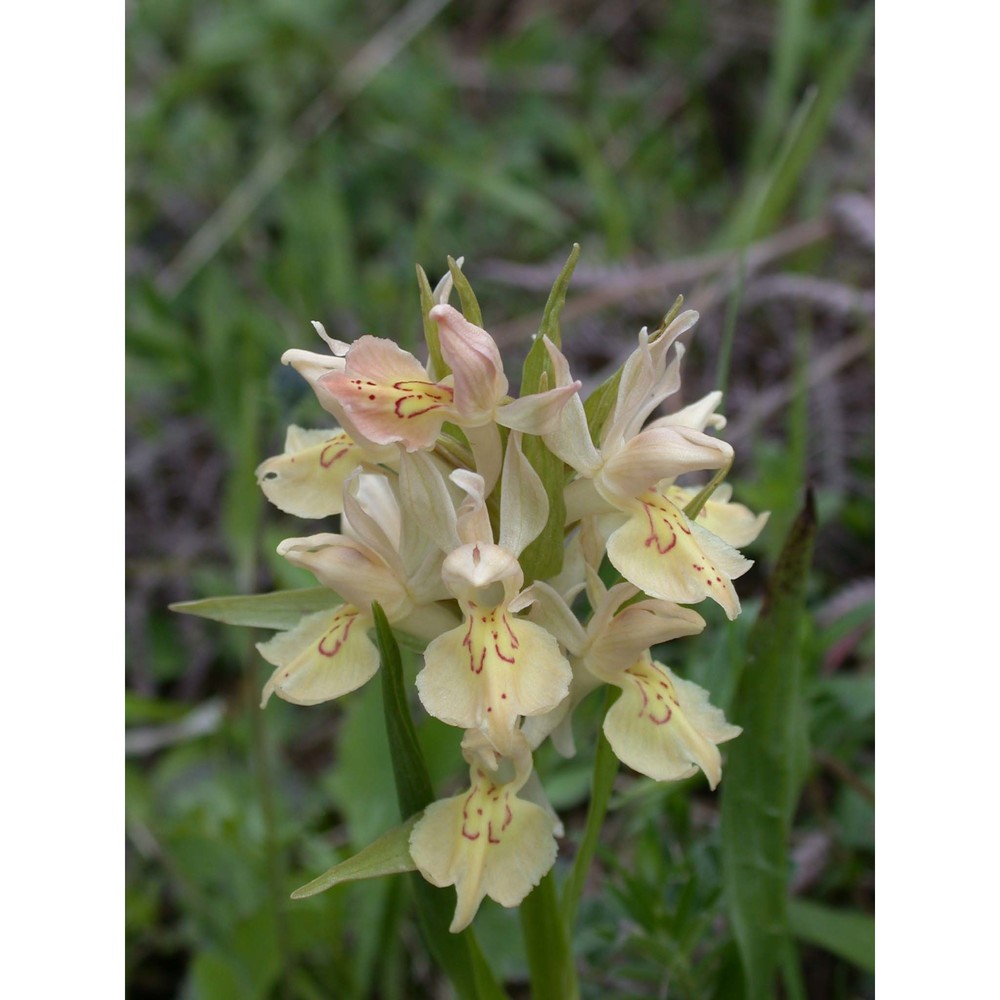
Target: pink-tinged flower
{"type": "Point", "coordinates": [390, 397]}
{"type": "Point", "coordinates": [488, 841]}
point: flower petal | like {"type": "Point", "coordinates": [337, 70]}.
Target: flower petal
{"type": "Point", "coordinates": [326, 655]}
{"type": "Point", "coordinates": [387, 394]}
{"type": "Point", "coordinates": [486, 842]}
{"type": "Point", "coordinates": [490, 670]}
{"type": "Point", "coordinates": [538, 413]}
{"type": "Point", "coordinates": [308, 479]}
{"type": "Point", "coordinates": [699, 414]}
{"type": "Point", "coordinates": [473, 357]}
{"type": "Point", "coordinates": [664, 727]}
{"type": "Point", "coordinates": [663, 553]}
{"type": "Point", "coordinates": [570, 439]}
{"type": "Point", "coordinates": [524, 504]}
{"type": "Point", "coordinates": [350, 569]}
{"type": "Point", "coordinates": [633, 630]}
{"type": "Point", "coordinates": [661, 453]}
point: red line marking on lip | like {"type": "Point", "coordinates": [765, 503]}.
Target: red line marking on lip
{"type": "Point", "coordinates": [341, 638]}
{"type": "Point", "coordinates": [326, 461]}
{"type": "Point", "coordinates": [654, 535]}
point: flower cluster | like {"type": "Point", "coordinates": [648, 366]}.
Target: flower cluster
{"type": "Point", "coordinates": [437, 507]}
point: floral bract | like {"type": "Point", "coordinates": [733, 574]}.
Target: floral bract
{"type": "Point", "coordinates": [439, 509]}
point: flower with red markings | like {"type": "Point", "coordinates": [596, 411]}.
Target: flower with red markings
{"type": "Point", "coordinates": [487, 841]}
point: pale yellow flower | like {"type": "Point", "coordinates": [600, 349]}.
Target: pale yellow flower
{"type": "Point", "coordinates": [487, 841]}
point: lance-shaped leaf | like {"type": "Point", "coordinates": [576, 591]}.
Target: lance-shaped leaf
{"type": "Point", "coordinates": [470, 304]}
{"type": "Point", "coordinates": [437, 365]}
{"type": "Point", "coordinates": [388, 855]}
{"type": "Point", "coordinates": [847, 933]}
{"type": "Point", "coordinates": [760, 789]}
{"type": "Point", "coordinates": [281, 610]}
{"type": "Point", "coordinates": [543, 557]}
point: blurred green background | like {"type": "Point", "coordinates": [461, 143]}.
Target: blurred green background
{"type": "Point", "coordinates": [291, 160]}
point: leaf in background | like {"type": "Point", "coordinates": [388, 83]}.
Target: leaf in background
{"type": "Point", "coordinates": [388, 855]}
{"type": "Point", "coordinates": [761, 771]}
{"type": "Point", "coordinates": [543, 558]}
{"type": "Point", "coordinates": [847, 933]}
{"type": "Point", "coordinates": [458, 954]}
{"type": "Point", "coordinates": [280, 610]}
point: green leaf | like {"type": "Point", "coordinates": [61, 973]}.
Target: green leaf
{"type": "Point", "coordinates": [438, 366]}
{"type": "Point", "coordinates": [543, 558]}
{"type": "Point", "coordinates": [388, 855]}
{"type": "Point", "coordinates": [599, 404]}
{"type": "Point", "coordinates": [458, 954]}
{"type": "Point", "coordinates": [413, 783]}
{"type": "Point", "coordinates": [538, 360]}
{"type": "Point", "coordinates": [761, 773]}
{"type": "Point", "coordinates": [470, 304]}
{"type": "Point", "coordinates": [281, 610]}
{"type": "Point", "coordinates": [847, 933]}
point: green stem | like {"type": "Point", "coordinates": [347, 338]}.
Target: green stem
{"type": "Point", "coordinates": [547, 942]}
{"type": "Point", "coordinates": [605, 769]}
